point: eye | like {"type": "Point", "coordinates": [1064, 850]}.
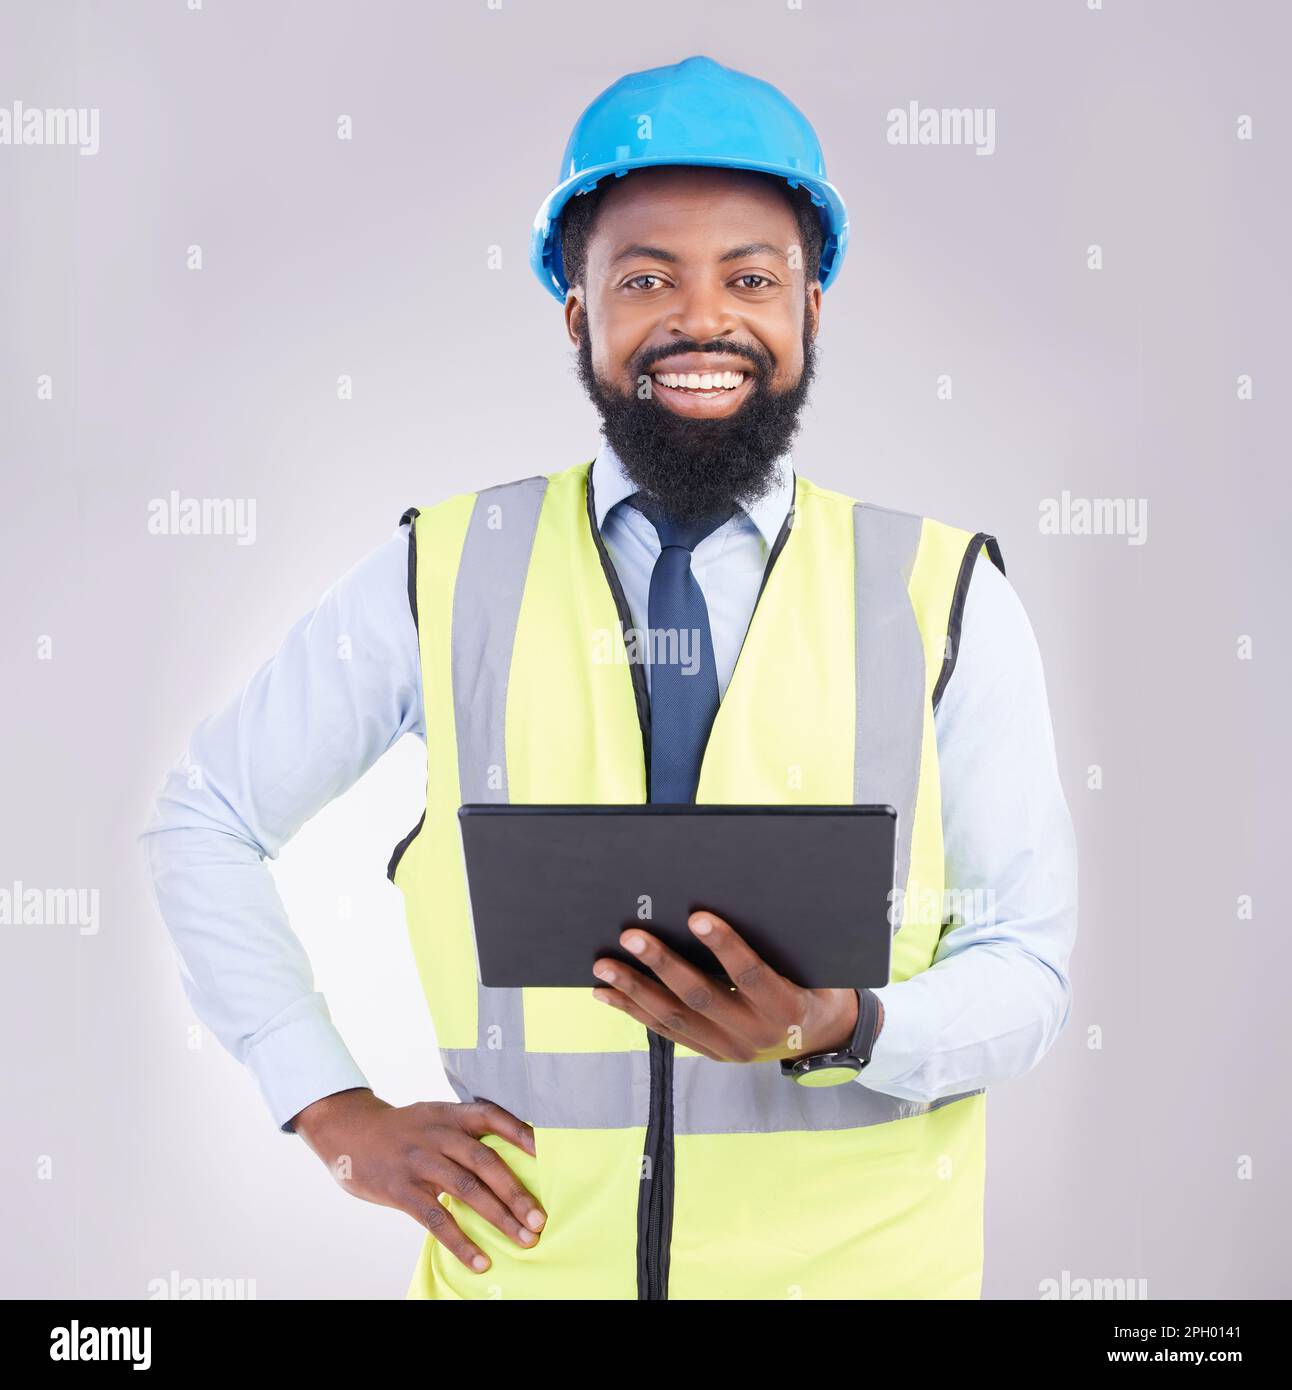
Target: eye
{"type": "Point", "coordinates": [764, 281]}
{"type": "Point", "coordinates": [637, 279]}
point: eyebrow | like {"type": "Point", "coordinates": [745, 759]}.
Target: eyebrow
{"type": "Point", "coordinates": [737, 253]}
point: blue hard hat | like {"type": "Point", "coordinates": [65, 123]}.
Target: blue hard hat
{"type": "Point", "coordinates": [694, 112]}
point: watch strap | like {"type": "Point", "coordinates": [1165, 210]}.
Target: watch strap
{"type": "Point", "coordinates": [863, 1035]}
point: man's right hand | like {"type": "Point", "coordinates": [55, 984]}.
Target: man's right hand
{"type": "Point", "coordinates": [406, 1156]}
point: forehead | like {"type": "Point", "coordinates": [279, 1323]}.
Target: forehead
{"type": "Point", "coordinates": [692, 204]}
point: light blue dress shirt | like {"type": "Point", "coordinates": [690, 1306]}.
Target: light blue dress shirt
{"type": "Point", "coordinates": [306, 727]}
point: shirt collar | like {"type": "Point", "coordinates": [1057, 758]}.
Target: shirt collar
{"type": "Point", "coordinates": [611, 485]}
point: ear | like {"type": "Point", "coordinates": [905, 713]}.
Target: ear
{"type": "Point", "coordinates": [576, 314]}
{"type": "Point", "coordinates": [812, 308]}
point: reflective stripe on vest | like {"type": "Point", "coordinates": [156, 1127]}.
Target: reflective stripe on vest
{"type": "Point", "coordinates": [509, 586]}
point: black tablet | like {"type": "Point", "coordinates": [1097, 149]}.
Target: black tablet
{"type": "Point", "coordinates": [552, 887]}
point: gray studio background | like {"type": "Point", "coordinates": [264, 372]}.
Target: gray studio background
{"type": "Point", "coordinates": [1161, 1155]}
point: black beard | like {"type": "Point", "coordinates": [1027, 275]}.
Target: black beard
{"type": "Point", "coordinates": [699, 468]}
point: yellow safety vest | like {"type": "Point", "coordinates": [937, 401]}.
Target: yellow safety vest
{"type": "Point", "coordinates": [759, 1187]}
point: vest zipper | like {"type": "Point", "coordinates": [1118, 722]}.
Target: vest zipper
{"type": "Point", "coordinates": [655, 1203]}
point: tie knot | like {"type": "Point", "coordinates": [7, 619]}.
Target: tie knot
{"type": "Point", "coordinates": [672, 531]}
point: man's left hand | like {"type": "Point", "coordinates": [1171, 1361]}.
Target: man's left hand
{"type": "Point", "coordinates": [760, 1017]}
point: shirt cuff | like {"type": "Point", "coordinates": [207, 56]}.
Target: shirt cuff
{"type": "Point", "coordinates": [301, 1060]}
{"type": "Point", "coordinates": [902, 1043]}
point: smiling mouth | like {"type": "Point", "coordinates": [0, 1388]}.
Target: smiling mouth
{"type": "Point", "coordinates": [707, 385]}
{"type": "Point", "coordinates": [701, 388]}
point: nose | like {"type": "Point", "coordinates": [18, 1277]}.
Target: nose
{"type": "Point", "coordinates": [701, 311]}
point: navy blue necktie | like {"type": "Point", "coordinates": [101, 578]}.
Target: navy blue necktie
{"type": "Point", "coordinates": [684, 675]}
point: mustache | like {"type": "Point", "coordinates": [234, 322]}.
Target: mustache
{"type": "Point", "coordinates": [763, 362]}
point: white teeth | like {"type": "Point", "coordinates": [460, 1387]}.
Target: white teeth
{"type": "Point", "coordinates": [701, 381]}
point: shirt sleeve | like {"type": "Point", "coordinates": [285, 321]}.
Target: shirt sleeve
{"type": "Point", "coordinates": [343, 686]}
{"type": "Point", "coordinates": [997, 994]}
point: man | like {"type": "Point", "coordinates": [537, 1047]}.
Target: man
{"type": "Point", "coordinates": [654, 1137]}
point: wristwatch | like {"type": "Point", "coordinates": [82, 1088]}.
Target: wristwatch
{"type": "Point", "coordinates": [832, 1068]}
